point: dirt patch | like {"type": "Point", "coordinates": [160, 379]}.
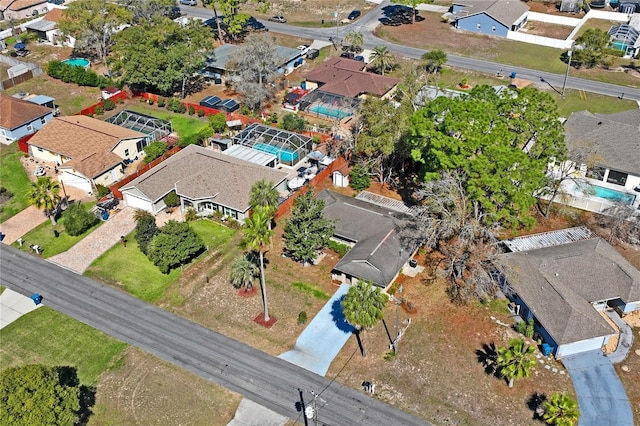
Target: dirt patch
{"type": "Point", "coordinates": [547, 30]}
{"type": "Point", "coordinates": [147, 390]}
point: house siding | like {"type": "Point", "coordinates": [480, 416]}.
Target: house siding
{"type": "Point", "coordinates": [630, 307]}
{"type": "Point", "coordinates": [127, 144]}
{"type": "Point", "coordinates": [24, 130]}
{"type": "Point", "coordinates": [482, 24]}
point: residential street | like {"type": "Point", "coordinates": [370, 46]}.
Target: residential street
{"type": "Point", "coordinates": [369, 21]}
{"type": "Point", "coordinates": [265, 379]}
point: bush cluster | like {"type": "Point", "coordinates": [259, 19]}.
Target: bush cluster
{"type": "Point", "coordinates": [77, 219]}
{"type": "Point", "coordinates": [175, 105]}
{"type": "Point", "coordinates": [72, 74]}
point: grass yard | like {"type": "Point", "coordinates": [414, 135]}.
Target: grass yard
{"type": "Point", "coordinates": [44, 236]}
{"type": "Point", "coordinates": [130, 269]}
{"type": "Point", "coordinates": [186, 126]}
{"type": "Point", "coordinates": [15, 179]}
{"type": "Point", "coordinates": [596, 24]}
{"type": "Point", "coordinates": [49, 337]}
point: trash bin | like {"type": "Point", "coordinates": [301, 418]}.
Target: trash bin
{"type": "Point", "coordinates": [37, 299]}
{"type": "Point", "coordinates": [105, 215]}
{"type": "Point", "coordinates": [303, 85]}
{"type": "Point", "coordinates": [546, 349]}
{"type": "Point", "coordinates": [1, 236]}
{"type": "Point", "coordinates": [513, 74]}
{"type": "Point", "coordinates": [413, 263]}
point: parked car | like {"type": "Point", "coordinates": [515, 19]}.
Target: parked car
{"type": "Point", "coordinates": [348, 55]}
{"type": "Point", "coordinates": [355, 14]}
{"type": "Point", "coordinates": [189, 2]}
{"type": "Point", "coordinates": [359, 58]}
{"type": "Point", "coordinates": [253, 24]}
{"type": "Point", "coordinates": [313, 53]}
{"type": "Point", "coordinates": [278, 18]}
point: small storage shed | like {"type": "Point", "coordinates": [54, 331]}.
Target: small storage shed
{"type": "Point", "coordinates": [210, 102]}
{"type": "Point", "coordinates": [228, 105]}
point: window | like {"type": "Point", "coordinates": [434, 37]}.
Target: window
{"type": "Point", "coordinates": [493, 28]}
{"type": "Point", "coordinates": [478, 25]}
{"type": "Point", "coordinates": [40, 149]}
{"type": "Point", "coordinates": [43, 121]}
{"type": "Point", "coordinates": [30, 127]}
{"type": "Point", "coordinates": [617, 178]}
{"type": "Point", "coordinates": [126, 152]}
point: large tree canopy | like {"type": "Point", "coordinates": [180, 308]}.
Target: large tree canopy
{"type": "Point", "coordinates": [161, 55]}
{"type": "Point", "coordinates": [93, 23]}
{"type": "Point", "coordinates": [499, 144]}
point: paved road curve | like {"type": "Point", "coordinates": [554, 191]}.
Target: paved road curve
{"type": "Point", "coordinates": [267, 380]}
{"type": "Point", "coordinates": [367, 23]}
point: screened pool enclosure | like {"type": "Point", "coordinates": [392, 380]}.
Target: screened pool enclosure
{"type": "Point", "coordinates": [287, 146]}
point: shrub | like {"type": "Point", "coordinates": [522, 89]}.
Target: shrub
{"type": "Point", "coordinates": [218, 122]}
{"type": "Point", "coordinates": [5, 195]}
{"type": "Point", "coordinates": [302, 317]}
{"type": "Point", "coordinates": [150, 101]}
{"type": "Point", "coordinates": [232, 223]}
{"type": "Point", "coordinates": [190, 215]}
{"type": "Point", "coordinates": [161, 102]}
{"type": "Point", "coordinates": [71, 74]}
{"type": "Point", "coordinates": [359, 178]}
{"type": "Point", "coordinates": [176, 106]}
{"type": "Point", "coordinates": [108, 104]}
{"type": "Point", "coordinates": [171, 199]}
{"type": "Point", "coordinates": [101, 191]}
{"type": "Point", "coordinates": [339, 248]}
{"type": "Point", "coordinates": [200, 113]}
{"type": "Point", "coordinates": [192, 110]}
{"type": "Point", "coordinates": [293, 122]}
{"type": "Point", "coordinates": [77, 219]}
{"type": "Point", "coordinates": [154, 150]}
{"type": "Point", "coordinates": [529, 329]}
{"type": "Point", "coordinates": [146, 229]}
{"type": "Point", "coordinates": [98, 110]}
{"type": "Point", "coordinates": [521, 327]}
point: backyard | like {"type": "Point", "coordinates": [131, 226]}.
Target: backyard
{"type": "Point", "coordinates": [14, 178]}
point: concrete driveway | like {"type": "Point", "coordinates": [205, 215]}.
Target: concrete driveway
{"type": "Point", "coordinates": [601, 397]}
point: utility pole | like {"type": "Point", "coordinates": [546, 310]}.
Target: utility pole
{"type": "Point", "coordinates": [566, 76]}
{"type": "Point", "coordinates": [337, 14]}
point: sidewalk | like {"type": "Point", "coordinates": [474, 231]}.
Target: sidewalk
{"type": "Point", "coordinates": [13, 305]}
{"type": "Point", "coordinates": [18, 225]}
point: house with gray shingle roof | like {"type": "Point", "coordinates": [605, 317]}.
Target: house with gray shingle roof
{"type": "Point", "coordinates": [493, 17]}
{"type": "Point", "coordinates": [204, 180]}
{"type": "Point", "coordinates": [380, 246]}
{"type": "Point", "coordinates": [564, 287]}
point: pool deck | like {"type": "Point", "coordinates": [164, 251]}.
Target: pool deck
{"type": "Point", "coordinates": [572, 196]}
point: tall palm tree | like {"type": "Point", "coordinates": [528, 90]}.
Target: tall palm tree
{"type": "Point", "coordinates": [243, 272]}
{"type": "Point", "coordinates": [263, 194]}
{"type": "Point", "coordinates": [560, 410]}
{"type": "Point", "coordinates": [515, 361]}
{"type": "Point", "coordinates": [355, 39]}
{"type": "Point", "coordinates": [257, 237]}
{"type": "Point", "coordinates": [382, 58]}
{"type": "Point", "coordinates": [45, 194]}
{"type": "Point", "coordinates": [363, 307]}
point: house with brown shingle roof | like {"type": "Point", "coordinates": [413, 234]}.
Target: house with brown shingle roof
{"type": "Point", "coordinates": [347, 78]}
{"type": "Point", "coordinates": [19, 118]}
{"type": "Point", "coordinates": [89, 151]}
{"type": "Point", "coordinates": [492, 17]}
{"type": "Point", "coordinates": [21, 9]}
{"type": "Point", "coordinates": [204, 180]}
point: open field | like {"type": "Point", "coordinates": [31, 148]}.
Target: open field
{"type": "Point", "coordinates": [311, 13]}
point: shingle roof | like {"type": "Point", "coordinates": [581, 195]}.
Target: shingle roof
{"type": "Point", "coordinates": [15, 112]}
{"type": "Point", "coordinates": [380, 250]}
{"type": "Point", "coordinates": [87, 141]}
{"type": "Point", "coordinates": [506, 12]}
{"type": "Point", "coordinates": [19, 4]}
{"type": "Point", "coordinates": [197, 172]}
{"type": "Point", "coordinates": [615, 137]}
{"type": "Point", "coordinates": [54, 15]}
{"type": "Point", "coordinates": [559, 284]}
{"type": "Point", "coordinates": [345, 77]}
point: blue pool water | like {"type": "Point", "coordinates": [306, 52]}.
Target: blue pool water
{"type": "Point", "coordinates": [284, 155]}
{"type": "Point", "coordinates": [606, 193]}
{"type": "Point", "coordinates": [77, 62]}
{"type": "Point", "coordinates": [329, 112]}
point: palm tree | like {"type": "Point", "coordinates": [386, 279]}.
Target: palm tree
{"type": "Point", "coordinates": [382, 58]}
{"type": "Point", "coordinates": [515, 361]}
{"type": "Point", "coordinates": [560, 410]}
{"type": "Point", "coordinates": [257, 237]}
{"type": "Point", "coordinates": [263, 194]}
{"type": "Point", "coordinates": [363, 307]}
{"type": "Point", "coordinates": [45, 194]}
{"type": "Point", "coordinates": [243, 272]}
{"type": "Point", "coordinates": [355, 39]}
{"type": "Point", "coordinates": [434, 60]}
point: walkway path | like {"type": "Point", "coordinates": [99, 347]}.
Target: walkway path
{"type": "Point", "coordinates": [79, 257]}
{"type": "Point", "coordinates": [625, 338]}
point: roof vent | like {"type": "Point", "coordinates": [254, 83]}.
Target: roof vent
{"type": "Point", "coordinates": [557, 274]}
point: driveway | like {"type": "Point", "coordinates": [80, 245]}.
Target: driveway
{"type": "Point", "coordinates": [13, 305]}
{"type": "Point", "coordinates": [601, 397]}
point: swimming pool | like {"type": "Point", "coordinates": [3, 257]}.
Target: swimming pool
{"type": "Point", "coordinates": [329, 112]}
{"type": "Point", "coordinates": [606, 193]}
{"type": "Point", "coordinates": [283, 154]}
{"type": "Point", "coordinates": [77, 62]}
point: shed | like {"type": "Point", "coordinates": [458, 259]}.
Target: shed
{"type": "Point", "coordinates": [228, 105]}
{"type": "Point", "coordinates": [210, 101]}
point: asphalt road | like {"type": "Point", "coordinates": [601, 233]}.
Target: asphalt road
{"type": "Point", "coordinates": [368, 22]}
{"type": "Point", "coordinates": [265, 379]}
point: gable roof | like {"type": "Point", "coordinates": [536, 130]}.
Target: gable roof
{"type": "Point", "coordinates": [19, 4]}
{"type": "Point", "coordinates": [87, 141]}
{"type": "Point", "coordinates": [507, 12]}
{"type": "Point", "coordinates": [559, 283]}
{"type": "Point", "coordinates": [379, 251]}
{"type": "Point", "coordinates": [17, 112]}
{"type": "Point", "coordinates": [54, 15]}
{"type": "Point", "coordinates": [196, 173]}
{"type": "Point", "coordinates": [345, 77]}
{"type": "Point", "coordinates": [615, 137]}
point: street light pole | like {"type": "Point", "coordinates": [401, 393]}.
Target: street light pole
{"type": "Point", "coordinates": [566, 76]}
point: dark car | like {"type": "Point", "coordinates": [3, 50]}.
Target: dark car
{"type": "Point", "coordinates": [253, 24]}
{"type": "Point", "coordinates": [313, 53]}
{"type": "Point", "coordinates": [278, 18]}
{"type": "Point", "coordinates": [348, 55]}
{"type": "Point", "coordinates": [355, 14]}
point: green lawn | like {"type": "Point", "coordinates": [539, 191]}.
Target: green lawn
{"type": "Point", "coordinates": [130, 269]}
{"type": "Point", "coordinates": [186, 126]}
{"type": "Point", "coordinates": [44, 236]}
{"type": "Point", "coordinates": [15, 179]}
{"type": "Point", "coordinates": [49, 337]}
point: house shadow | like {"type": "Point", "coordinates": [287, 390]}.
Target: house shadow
{"type": "Point", "coordinates": [487, 357]}
{"type": "Point", "coordinates": [338, 316]}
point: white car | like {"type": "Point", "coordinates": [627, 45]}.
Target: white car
{"type": "Point", "coordinates": [39, 171]}
{"type": "Point", "coordinates": [189, 2]}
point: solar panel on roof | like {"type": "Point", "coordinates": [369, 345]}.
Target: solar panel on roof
{"type": "Point", "coordinates": [210, 101]}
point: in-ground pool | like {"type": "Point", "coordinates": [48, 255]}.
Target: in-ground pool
{"type": "Point", "coordinates": [77, 62]}
{"type": "Point", "coordinates": [606, 193]}
{"type": "Point", "coordinates": [283, 154]}
{"type": "Point", "coordinates": [329, 112]}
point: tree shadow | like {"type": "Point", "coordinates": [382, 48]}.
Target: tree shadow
{"type": "Point", "coordinates": [534, 403]}
{"type": "Point", "coordinates": [338, 316]}
{"type": "Point", "coordinates": [68, 376]}
{"type": "Point", "coordinates": [487, 356]}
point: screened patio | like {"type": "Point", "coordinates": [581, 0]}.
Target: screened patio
{"type": "Point", "coordinates": [288, 147]}
{"type": "Point", "coordinates": [156, 128]}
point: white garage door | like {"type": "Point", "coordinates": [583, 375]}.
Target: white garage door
{"type": "Point", "coordinates": [137, 202]}
{"type": "Point", "coordinates": [75, 181]}
{"type": "Point", "coordinates": [581, 346]}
